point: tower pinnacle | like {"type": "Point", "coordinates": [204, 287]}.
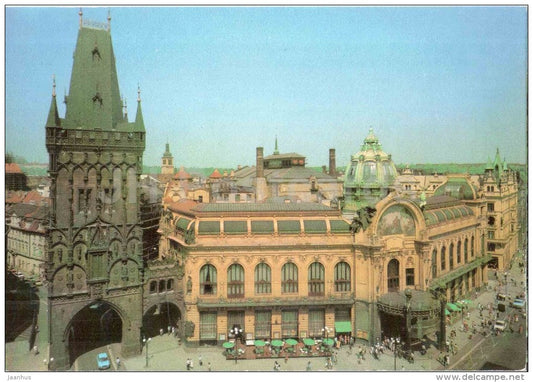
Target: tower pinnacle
{"type": "Point", "coordinates": [81, 17]}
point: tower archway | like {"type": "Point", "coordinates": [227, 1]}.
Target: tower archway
{"type": "Point", "coordinates": [97, 324]}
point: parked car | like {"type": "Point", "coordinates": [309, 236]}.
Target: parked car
{"type": "Point", "coordinates": [519, 303]}
{"type": "Point", "coordinates": [500, 325]}
{"type": "Point", "coordinates": [103, 361]}
{"type": "Point", "coordinates": [501, 297]}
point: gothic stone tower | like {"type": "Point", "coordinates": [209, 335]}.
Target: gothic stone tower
{"type": "Point", "coordinates": [94, 264]}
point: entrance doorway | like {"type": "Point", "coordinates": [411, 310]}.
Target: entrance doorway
{"type": "Point", "coordinates": [96, 325]}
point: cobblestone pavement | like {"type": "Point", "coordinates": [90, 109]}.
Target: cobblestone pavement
{"type": "Point", "coordinates": [165, 354]}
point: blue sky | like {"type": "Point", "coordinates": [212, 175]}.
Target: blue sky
{"type": "Point", "coordinates": [437, 84]}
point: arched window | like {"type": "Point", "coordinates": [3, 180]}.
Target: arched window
{"type": "Point", "coordinates": [170, 284]}
{"type": "Point", "coordinates": [393, 275]}
{"type": "Point", "coordinates": [443, 258]}
{"type": "Point", "coordinates": [466, 250]}
{"type": "Point", "coordinates": [315, 279]}
{"type": "Point", "coordinates": [262, 279]}
{"type": "Point", "coordinates": [162, 285]}
{"type": "Point", "coordinates": [153, 287]}
{"type": "Point", "coordinates": [434, 264]}
{"type": "Point", "coordinates": [459, 252]}
{"type": "Point", "coordinates": [236, 281]}
{"type": "Point", "coordinates": [472, 247]}
{"type": "Point", "coordinates": [208, 279]}
{"type": "Point", "coordinates": [342, 277]}
{"type": "Point", "coordinates": [451, 256]}
{"type": "Point", "coordinates": [289, 278]}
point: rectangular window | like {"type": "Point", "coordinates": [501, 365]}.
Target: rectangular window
{"type": "Point", "coordinates": [208, 325]}
{"type": "Point", "coordinates": [263, 324]}
{"type": "Point", "coordinates": [237, 198]}
{"type": "Point", "coordinates": [490, 207]}
{"type": "Point", "coordinates": [289, 323]}
{"type": "Point", "coordinates": [316, 321]}
{"type": "Point", "coordinates": [409, 276]}
{"type": "Point", "coordinates": [490, 234]}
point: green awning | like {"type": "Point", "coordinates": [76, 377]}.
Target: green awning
{"type": "Point", "coordinates": [459, 304]}
{"type": "Point", "coordinates": [343, 327]}
{"type": "Point", "coordinates": [447, 312]}
{"type": "Point", "coordinates": [228, 345]}
{"type": "Point", "coordinates": [453, 307]}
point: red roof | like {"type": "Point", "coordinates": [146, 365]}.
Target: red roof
{"type": "Point", "coordinates": [15, 197]}
{"type": "Point", "coordinates": [182, 174]}
{"type": "Point", "coordinates": [215, 175]}
{"type": "Point", "coordinates": [33, 197]}
{"type": "Point", "coordinates": [183, 205]}
{"type": "Point", "coordinates": [13, 168]}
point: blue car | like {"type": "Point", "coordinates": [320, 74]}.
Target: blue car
{"type": "Point", "coordinates": [103, 361]}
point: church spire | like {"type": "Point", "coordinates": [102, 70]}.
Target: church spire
{"type": "Point", "coordinates": [81, 17]}
{"type": "Point", "coordinates": [276, 151]}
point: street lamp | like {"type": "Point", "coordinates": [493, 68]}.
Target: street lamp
{"type": "Point", "coordinates": [505, 274]}
{"type": "Point", "coordinates": [395, 342]}
{"type": "Point", "coordinates": [236, 332]}
{"type": "Point", "coordinates": [146, 342]}
{"type": "Point", "coordinates": [326, 331]}
{"type": "Point", "coordinates": [408, 295]}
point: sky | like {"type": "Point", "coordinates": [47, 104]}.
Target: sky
{"type": "Point", "coordinates": [436, 84]}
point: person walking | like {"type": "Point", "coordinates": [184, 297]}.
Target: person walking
{"type": "Point", "coordinates": [308, 368]}
{"type": "Point", "coordinates": [200, 362]}
{"type": "Point", "coordinates": [118, 363]}
{"type": "Point", "coordinates": [209, 366]}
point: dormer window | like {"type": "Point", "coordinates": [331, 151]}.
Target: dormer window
{"type": "Point", "coordinates": [98, 98]}
{"type": "Point", "coordinates": [96, 53]}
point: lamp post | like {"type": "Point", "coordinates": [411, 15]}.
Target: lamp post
{"type": "Point", "coordinates": [395, 342]}
{"type": "Point", "coordinates": [408, 296]}
{"type": "Point", "coordinates": [505, 274]}
{"type": "Point", "coordinates": [236, 332]}
{"type": "Point", "coordinates": [146, 342]}
{"type": "Point", "coordinates": [326, 331]}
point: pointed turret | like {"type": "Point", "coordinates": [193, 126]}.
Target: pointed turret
{"type": "Point", "coordinates": [489, 165]}
{"type": "Point", "coordinates": [276, 151]}
{"type": "Point", "coordinates": [139, 122]}
{"type": "Point", "coordinates": [53, 115]}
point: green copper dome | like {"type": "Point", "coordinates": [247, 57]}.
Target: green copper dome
{"type": "Point", "coordinates": [370, 173]}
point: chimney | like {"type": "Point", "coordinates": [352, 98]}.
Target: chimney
{"type": "Point", "coordinates": [332, 166]}
{"type": "Point", "coordinates": [259, 163]}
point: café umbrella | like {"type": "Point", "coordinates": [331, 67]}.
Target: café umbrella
{"type": "Point", "coordinates": [228, 345]}
{"type": "Point", "coordinates": [291, 342]}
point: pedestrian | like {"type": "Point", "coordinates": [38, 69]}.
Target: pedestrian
{"type": "Point", "coordinates": [161, 331]}
{"type": "Point", "coordinates": [188, 364]}
{"type": "Point", "coordinates": [209, 366]}
{"type": "Point", "coordinates": [118, 363]}
{"type": "Point", "coordinates": [286, 358]}
{"type": "Point", "coordinates": [200, 362]}
{"type": "Point", "coordinates": [35, 350]}
{"type": "Point", "coordinates": [308, 368]}
{"type": "Point", "coordinates": [168, 330]}
{"type": "Point", "coordinates": [192, 365]}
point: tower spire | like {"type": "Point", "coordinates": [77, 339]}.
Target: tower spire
{"type": "Point", "coordinates": [139, 122]}
{"type": "Point", "coordinates": [276, 152]}
{"type": "Point", "coordinates": [109, 20]}
{"type": "Point", "coordinates": [53, 119]}
{"type": "Point", "coordinates": [81, 17]}
{"type": "Point", "coordinates": [53, 85]}
{"type": "Point", "coordinates": [126, 109]}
